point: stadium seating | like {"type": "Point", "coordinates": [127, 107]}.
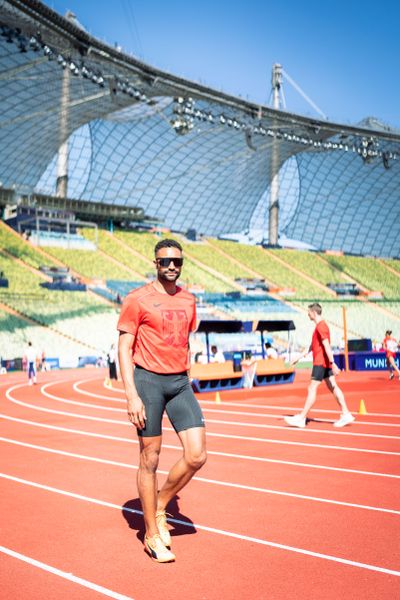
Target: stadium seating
{"type": "Point", "coordinates": [122, 287]}
{"type": "Point", "coordinates": [244, 305]}
{"type": "Point", "coordinates": [15, 245]}
{"type": "Point", "coordinates": [369, 273]}
{"type": "Point", "coordinates": [274, 272]}
{"type": "Point", "coordinates": [312, 264]}
{"type": "Point", "coordinates": [393, 264]}
{"type": "Point", "coordinates": [78, 316]}
{"type": "Point", "coordinates": [90, 323]}
{"type": "Point", "coordinates": [91, 265]}
{"type": "Point", "coordinates": [192, 274]}
{"type": "Point", "coordinates": [206, 254]}
{"type": "Point", "coordinates": [61, 240]}
{"type": "Point", "coordinates": [363, 320]}
{"type": "Point", "coordinates": [15, 333]}
{"type": "Point", "coordinates": [110, 245]}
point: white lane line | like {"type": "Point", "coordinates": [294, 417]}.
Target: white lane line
{"type": "Point", "coordinates": [319, 420]}
{"type": "Point", "coordinates": [64, 575]}
{"type": "Point", "coordinates": [211, 452]}
{"type": "Point", "coordinates": [211, 529]}
{"type": "Point", "coordinates": [65, 413]}
{"type": "Point", "coordinates": [77, 388]}
{"type": "Point", "coordinates": [201, 479]}
{"type": "Point", "coordinates": [220, 422]}
{"type": "Point", "coordinates": [305, 430]}
{"type": "Point", "coordinates": [209, 433]}
{"type": "Point", "coordinates": [224, 412]}
{"type": "Point", "coordinates": [299, 407]}
{"type": "Point", "coordinates": [44, 391]}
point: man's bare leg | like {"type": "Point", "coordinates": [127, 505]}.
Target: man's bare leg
{"type": "Point", "coordinates": [394, 366]}
{"type": "Point", "coordinates": [194, 456]}
{"type": "Point", "coordinates": [147, 481]}
{"type": "Point", "coordinates": [337, 393]}
{"type": "Point", "coordinates": [311, 398]}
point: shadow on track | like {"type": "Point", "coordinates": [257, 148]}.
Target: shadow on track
{"type": "Point", "coordinates": [135, 519]}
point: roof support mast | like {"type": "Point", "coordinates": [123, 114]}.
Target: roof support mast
{"type": "Point", "coordinates": [62, 160]}
{"type": "Point", "coordinates": [274, 190]}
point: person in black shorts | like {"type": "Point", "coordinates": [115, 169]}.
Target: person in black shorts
{"type": "Point", "coordinates": [324, 369]}
{"type": "Point", "coordinates": [112, 366]}
{"type": "Point", "coordinates": [154, 325]}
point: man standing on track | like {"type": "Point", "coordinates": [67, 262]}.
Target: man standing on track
{"type": "Point", "coordinates": [154, 325]}
{"type": "Point", "coordinates": [324, 368]}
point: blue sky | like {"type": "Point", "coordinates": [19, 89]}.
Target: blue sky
{"type": "Point", "coordinates": [343, 54]}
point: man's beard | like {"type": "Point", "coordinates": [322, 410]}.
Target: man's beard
{"type": "Point", "coordinates": [169, 276]}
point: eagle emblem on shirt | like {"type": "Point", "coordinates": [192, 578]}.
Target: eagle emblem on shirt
{"type": "Point", "coordinates": [175, 327]}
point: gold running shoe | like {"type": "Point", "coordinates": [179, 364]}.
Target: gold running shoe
{"type": "Point", "coordinates": [161, 519]}
{"type": "Point", "coordinates": [157, 550]}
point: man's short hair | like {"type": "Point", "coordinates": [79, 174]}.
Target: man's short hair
{"type": "Point", "coordinates": [167, 243]}
{"type": "Point", "coordinates": [389, 332]}
{"type": "Point", "coordinates": [315, 307]}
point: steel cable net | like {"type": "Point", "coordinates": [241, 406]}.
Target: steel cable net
{"type": "Point", "coordinates": [187, 155]}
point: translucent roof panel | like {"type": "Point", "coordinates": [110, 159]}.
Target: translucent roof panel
{"type": "Point", "coordinates": [186, 154]}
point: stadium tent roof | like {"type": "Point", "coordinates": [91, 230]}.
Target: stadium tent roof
{"type": "Point", "coordinates": [185, 153]}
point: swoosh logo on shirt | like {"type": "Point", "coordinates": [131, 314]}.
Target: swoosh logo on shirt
{"type": "Point", "coordinates": [157, 305]}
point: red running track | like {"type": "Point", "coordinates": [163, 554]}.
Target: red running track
{"type": "Point", "coordinates": [276, 513]}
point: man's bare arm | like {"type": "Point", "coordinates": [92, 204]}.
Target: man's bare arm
{"type": "Point", "coordinates": [302, 355]}
{"type": "Point", "coordinates": [135, 406]}
{"type": "Point", "coordinates": [329, 354]}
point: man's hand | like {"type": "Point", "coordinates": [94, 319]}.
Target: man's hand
{"type": "Point", "coordinates": [136, 412]}
{"type": "Point", "coordinates": [335, 369]}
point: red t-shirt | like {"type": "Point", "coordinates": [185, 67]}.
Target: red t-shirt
{"type": "Point", "coordinates": [390, 346]}
{"type": "Point", "coordinates": [321, 332]}
{"type": "Point", "coordinates": [161, 325]}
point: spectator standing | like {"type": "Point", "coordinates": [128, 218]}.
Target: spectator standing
{"type": "Point", "coordinates": [31, 356]}
{"type": "Point", "coordinates": [249, 365]}
{"type": "Point", "coordinates": [112, 366]}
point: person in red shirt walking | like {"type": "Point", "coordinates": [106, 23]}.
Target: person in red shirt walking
{"type": "Point", "coordinates": [390, 346]}
{"type": "Point", "coordinates": [324, 369]}
{"type": "Point", "coordinates": [154, 326]}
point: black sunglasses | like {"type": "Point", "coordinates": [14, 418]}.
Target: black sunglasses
{"type": "Point", "coordinates": [165, 262]}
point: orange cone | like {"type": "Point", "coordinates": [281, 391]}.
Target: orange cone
{"type": "Point", "coordinates": [217, 398]}
{"type": "Point", "coordinates": [362, 410]}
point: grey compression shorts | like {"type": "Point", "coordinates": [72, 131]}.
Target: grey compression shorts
{"type": "Point", "coordinates": [319, 372]}
{"type": "Point", "coordinates": [171, 393]}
